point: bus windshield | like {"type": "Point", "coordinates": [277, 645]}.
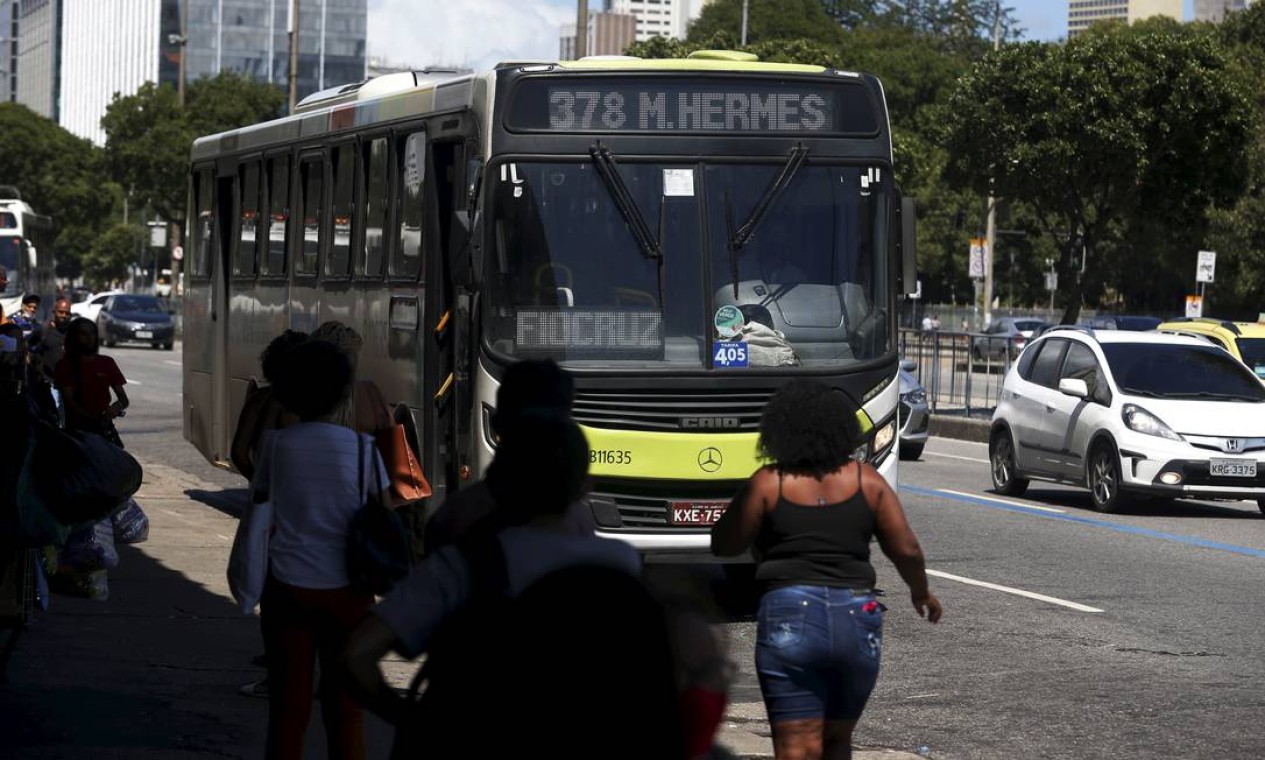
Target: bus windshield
{"type": "Point", "coordinates": [10, 252]}
{"type": "Point", "coordinates": [803, 285]}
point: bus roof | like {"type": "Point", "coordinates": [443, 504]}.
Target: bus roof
{"type": "Point", "coordinates": [398, 96]}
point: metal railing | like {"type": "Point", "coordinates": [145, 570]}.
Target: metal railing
{"type": "Point", "coordinates": [962, 372]}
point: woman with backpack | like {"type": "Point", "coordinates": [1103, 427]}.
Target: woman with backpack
{"type": "Point", "coordinates": [317, 475]}
{"type": "Point", "coordinates": [809, 517]}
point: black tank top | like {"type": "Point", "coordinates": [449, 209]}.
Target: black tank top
{"type": "Point", "coordinates": [826, 545]}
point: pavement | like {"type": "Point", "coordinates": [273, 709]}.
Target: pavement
{"type": "Point", "coordinates": [153, 672]}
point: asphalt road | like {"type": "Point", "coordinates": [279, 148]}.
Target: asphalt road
{"type": "Point", "coordinates": [1147, 642]}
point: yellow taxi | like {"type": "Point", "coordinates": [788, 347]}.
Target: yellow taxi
{"type": "Point", "coordinates": [1244, 340]}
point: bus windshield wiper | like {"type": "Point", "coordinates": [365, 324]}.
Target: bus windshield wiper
{"type": "Point", "coordinates": [743, 234]}
{"type": "Point", "coordinates": [651, 245]}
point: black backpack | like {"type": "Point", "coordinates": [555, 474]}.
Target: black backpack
{"type": "Point", "coordinates": [571, 657]}
{"type": "Point", "coordinates": [379, 547]}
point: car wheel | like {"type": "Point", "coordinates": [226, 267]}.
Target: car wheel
{"type": "Point", "coordinates": [1261, 503]}
{"type": "Point", "coordinates": [1001, 455]}
{"type": "Point", "coordinates": [168, 346]}
{"type": "Point", "coordinates": [910, 451]}
{"type": "Point", "coordinates": [1103, 477]}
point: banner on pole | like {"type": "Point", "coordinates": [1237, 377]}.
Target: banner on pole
{"type": "Point", "coordinates": [1194, 306]}
{"type": "Point", "coordinates": [979, 248]}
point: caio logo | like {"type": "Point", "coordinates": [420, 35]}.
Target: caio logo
{"type": "Point", "coordinates": [709, 423]}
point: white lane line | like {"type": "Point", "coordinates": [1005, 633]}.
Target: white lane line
{"type": "Point", "coordinates": [173, 363]}
{"type": "Point", "coordinates": [1015, 591]}
{"type": "Point", "coordinates": [132, 382]}
{"type": "Point", "coordinates": [955, 456]}
{"type": "Point", "coordinates": [1008, 503]}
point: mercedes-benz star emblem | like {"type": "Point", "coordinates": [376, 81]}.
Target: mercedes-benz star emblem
{"type": "Point", "coordinates": [710, 459]}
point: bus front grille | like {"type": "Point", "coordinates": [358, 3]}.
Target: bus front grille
{"type": "Point", "coordinates": [681, 411]}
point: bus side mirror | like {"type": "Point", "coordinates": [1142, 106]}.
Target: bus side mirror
{"type": "Point", "coordinates": [467, 253]}
{"type": "Point", "coordinates": [908, 246]}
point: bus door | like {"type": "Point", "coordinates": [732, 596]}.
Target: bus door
{"type": "Point", "coordinates": [221, 277]}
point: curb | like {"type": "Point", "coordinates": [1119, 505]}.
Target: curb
{"type": "Point", "coordinates": [962, 428]}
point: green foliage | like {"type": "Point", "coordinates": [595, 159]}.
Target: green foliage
{"type": "Point", "coordinates": [768, 20]}
{"type": "Point", "coordinates": [149, 136]}
{"type": "Point", "coordinates": [1122, 129]}
{"type": "Point", "coordinates": [113, 251]}
{"type": "Point", "coordinates": [59, 174]}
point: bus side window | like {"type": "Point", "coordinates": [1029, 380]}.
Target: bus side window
{"type": "Point", "coordinates": [311, 185]}
{"type": "Point", "coordinates": [277, 201]}
{"type": "Point", "coordinates": [248, 230]}
{"type": "Point", "coordinates": [203, 225]}
{"type": "Point", "coordinates": [406, 257]}
{"type": "Point", "coordinates": [377, 163]}
{"type": "Point", "coordinates": [339, 259]}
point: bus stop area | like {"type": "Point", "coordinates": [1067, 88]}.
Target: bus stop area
{"type": "Point", "coordinates": [154, 672]}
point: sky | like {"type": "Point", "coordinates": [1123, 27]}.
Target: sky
{"type": "Point", "coordinates": [479, 33]}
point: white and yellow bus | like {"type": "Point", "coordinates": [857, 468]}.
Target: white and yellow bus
{"type": "Point", "coordinates": [684, 236]}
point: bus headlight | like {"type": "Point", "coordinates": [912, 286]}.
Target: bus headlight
{"type": "Point", "coordinates": [884, 437]}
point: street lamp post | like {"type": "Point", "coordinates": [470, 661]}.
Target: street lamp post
{"type": "Point", "coordinates": [294, 54]}
{"type": "Point", "coordinates": [582, 29]}
{"type": "Point", "coordinates": [745, 3]}
{"type": "Point", "coordinates": [990, 232]}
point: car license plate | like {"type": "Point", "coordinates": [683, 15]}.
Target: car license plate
{"type": "Point", "coordinates": [144, 334]}
{"type": "Point", "coordinates": [1232, 468]}
{"type": "Point", "coordinates": [695, 512]}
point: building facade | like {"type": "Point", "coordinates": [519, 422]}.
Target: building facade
{"type": "Point", "coordinates": [1082, 13]}
{"type": "Point", "coordinates": [8, 50]}
{"type": "Point", "coordinates": [70, 69]}
{"type": "Point", "coordinates": [1216, 10]}
{"type": "Point", "coordinates": [655, 18]}
{"type": "Point", "coordinates": [609, 34]}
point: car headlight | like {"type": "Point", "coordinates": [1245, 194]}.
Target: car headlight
{"type": "Point", "coordinates": [1140, 420]}
{"type": "Point", "coordinates": [916, 397]}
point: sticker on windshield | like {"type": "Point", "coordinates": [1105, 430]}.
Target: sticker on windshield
{"type": "Point", "coordinates": [729, 322]}
{"type": "Point", "coordinates": [678, 183]}
{"type": "Point", "coordinates": [726, 354]}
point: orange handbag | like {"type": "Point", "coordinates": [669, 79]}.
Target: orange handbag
{"type": "Point", "coordinates": [405, 472]}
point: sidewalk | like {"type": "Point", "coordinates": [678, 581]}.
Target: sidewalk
{"type": "Point", "coordinates": [154, 672]}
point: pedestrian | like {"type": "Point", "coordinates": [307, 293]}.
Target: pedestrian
{"type": "Point", "coordinates": [809, 516]}
{"type": "Point", "coordinates": [537, 473]}
{"type": "Point", "coordinates": [317, 475]}
{"type": "Point", "coordinates": [86, 379]}
{"type": "Point", "coordinates": [530, 385]}
{"type": "Point", "coordinates": [262, 412]}
{"type": "Point", "coordinates": [926, 323]}
{"type": "Point", "coordinates": [53, 336]}
{"type": "Point", "coordinates": [935, 322]}
{"type": "Point", "coordinates": [366, 409]}
{"type": "Point", "coordinates": [28, 317]}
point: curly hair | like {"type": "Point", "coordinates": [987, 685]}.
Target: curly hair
{"type": "Point", "coordinates": [809, 428]}
{"type": "Point", "coordinates": [313, 380]}
{"type": "Point", "coordinates": [344, 338]}
{"type": "Point", "coordinates": [270, 360]}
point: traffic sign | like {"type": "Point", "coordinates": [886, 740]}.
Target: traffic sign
{"type": "Point", "coordinates": [1206, 269]}
{"type": "Point", "coordinates": [177, 253]}
{"type": "Point", "coordinates": [1051, 280]}
{"type": "Point", "coordinates": [1194, 306]}
{"type": "Point", "coordinates": [979, 249]}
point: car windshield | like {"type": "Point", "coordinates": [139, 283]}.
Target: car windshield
{"type": "Point", "coordinates": [134, 304]}
{"type": "Point", "coordinates": [1028, 325]}
{"type": "Point", "coordinates": [1180, 371]}
{"type": "Point", "coordinates": [1253, 351]}
{"type": "Point", "coordinates": [1138, 324]}
{"type": "Point", "coordinates": [571, 278]}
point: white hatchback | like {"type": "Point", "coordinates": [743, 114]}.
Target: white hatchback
{"type": "Point", "coordinates": [1130, 413]}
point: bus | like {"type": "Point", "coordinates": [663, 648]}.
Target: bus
{"type": "Point", "coordinates": [684, 236]}
{"type": "Point", "coordinates": [26, 253]}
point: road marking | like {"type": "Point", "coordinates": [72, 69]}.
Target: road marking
{"type": "Point", "coordinates": [1015, 591]}
{"type": "Point", "coordinates": [955, 456]}
{"type": "Point", "coordinates": [223, 537]}
{"type": "Point", "coordinates": [132, 382]}
{"type": "Point", "coordinates": [1004, 501]}
{"type": "Point", "coordinates": [1028, 509]}
{"type": "Point", "coordinates": [173, 363]}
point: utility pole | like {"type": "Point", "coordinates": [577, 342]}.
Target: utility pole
{"type": "Point", "coordinates": [176, 237]}
{"type": "Point", "coordinates": [581, 29]}
{"type": "Point", "coordinates": [745, 3]}
{"type": "Point", "coordinates": [990, 231]}
{"type": "Point", "coordinates": [183, 41]}
{"type": "Point", "coordinates": [294, 54]}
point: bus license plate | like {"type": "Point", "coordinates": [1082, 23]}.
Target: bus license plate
{"type": "Point", "coordinates": [696, 512]}
{"type": "Point", "coordinates": [144, 334]}
{"type": "Point", "coordinates": [1232, 468]}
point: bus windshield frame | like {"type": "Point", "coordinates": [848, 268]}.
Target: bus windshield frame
{"type": "Point", "coordinates": [789, 308]}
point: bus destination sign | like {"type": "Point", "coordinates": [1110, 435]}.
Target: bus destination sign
{"type": "Point", "coordinates": [721, 106]}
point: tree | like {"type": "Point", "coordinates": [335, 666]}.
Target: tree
{"type": "Point", "coordinates": [59, 174]}
{"type": "Point", "coordinates": [768, 20]}
{"type": "Point", "coordinates": [149, 136]}
{"type": "Point", "coordinates": [1122, 123]}
{"type": "Point", "coordinates": [112, 253]}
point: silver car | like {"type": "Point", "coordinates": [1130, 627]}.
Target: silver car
{"type": "Point", "coordinates": [1005, 338]}
{"type": "Point", "coordinates": [913, 413]}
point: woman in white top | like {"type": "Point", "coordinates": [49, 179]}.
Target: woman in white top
{"type": "Point", "coordinates": [317, 475]}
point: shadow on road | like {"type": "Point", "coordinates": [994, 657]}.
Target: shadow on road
{"type": "Point", "coordinates": [1143, 507]}
{"type": "Point", "coordinates": [230, 501]}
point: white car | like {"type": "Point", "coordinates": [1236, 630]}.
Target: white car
{"type": "Point", "coordinates": [90, 307]}
{"type": "Point", "coordinates": [1130, 413]}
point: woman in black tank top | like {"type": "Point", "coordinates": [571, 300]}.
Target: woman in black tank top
{"type": "Point", "coordinates": [808, 517]}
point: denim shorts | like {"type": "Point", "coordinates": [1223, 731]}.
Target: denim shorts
{"type": "Point", "coordinates": [817, 652]}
